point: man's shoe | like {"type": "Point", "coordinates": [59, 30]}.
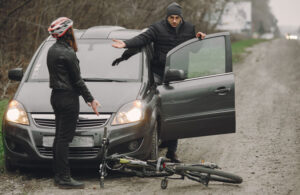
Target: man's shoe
{"type": "Point", "coordinates": [173, 157]}
{"type": "Point", "coordinates": [67, 182]}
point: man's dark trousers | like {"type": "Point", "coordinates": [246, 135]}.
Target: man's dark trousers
{"type": "Point", "coordinates": [172, 145]}
{"type": "Point", "coordinates": [66, 108]}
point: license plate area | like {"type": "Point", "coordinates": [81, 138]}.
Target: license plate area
{"type": "Point", "coordinates": [78, 141]}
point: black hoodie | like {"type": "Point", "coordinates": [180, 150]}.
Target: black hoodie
{"type": "Point", "coordinates": [164, 38]}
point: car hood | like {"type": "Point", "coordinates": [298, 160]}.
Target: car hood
{"type": "Point", "coordinates": [35, 96]}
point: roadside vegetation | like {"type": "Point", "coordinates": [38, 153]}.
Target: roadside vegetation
{"type": "Point", "coordinates": [3, 104]}
{"type": "Point", "coordinates": [239, 48]}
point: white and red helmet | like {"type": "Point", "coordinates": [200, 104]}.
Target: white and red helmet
{"type": "Point", "coordinates": [60, 26]}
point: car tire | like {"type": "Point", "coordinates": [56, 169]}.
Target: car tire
{"type": "Point", "coordinates": [154, 144]}
{"type": "Point", "coordinates": [9, 167]}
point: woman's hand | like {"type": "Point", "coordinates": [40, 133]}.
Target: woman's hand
{"type": "Point", "coordinates": [94, 104]}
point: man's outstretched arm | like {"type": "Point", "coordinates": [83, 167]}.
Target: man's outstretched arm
{"type": "Point", "coordinates": [138, 41]}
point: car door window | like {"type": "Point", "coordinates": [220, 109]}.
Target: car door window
{"type": "Point", "coordinates": [201, 58]}
{"type": "Point", "coordinates": [203, 104]}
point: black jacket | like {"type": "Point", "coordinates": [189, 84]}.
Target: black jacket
{"type": "Point", "coordinates": [64, 70]}
{"type": "Point", "coordinates": [165, 37]}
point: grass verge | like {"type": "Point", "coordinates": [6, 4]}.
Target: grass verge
{"type": "Point", "coordinates": [3, 104]}
{"type": "Point", "coordinates": [239, 48]}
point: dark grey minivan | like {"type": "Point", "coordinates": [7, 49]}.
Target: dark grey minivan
{"type": "Point", "coordinates": [196, 98]}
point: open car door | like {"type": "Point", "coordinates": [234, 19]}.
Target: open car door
{"type": "Point", "coordinates": [201, 101]}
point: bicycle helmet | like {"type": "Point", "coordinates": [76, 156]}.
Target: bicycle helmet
{"type": "Point", "coordinates": [60, 26]}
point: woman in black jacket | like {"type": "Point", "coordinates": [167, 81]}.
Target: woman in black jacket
{"type": "Point", "coordinates": [67, 85]}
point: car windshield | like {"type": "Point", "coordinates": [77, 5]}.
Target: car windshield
{"type": "Point", "coordinates": [96, 58]}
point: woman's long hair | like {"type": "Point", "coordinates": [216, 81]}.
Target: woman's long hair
{"type": "Point", "coordinates": [69, 38]}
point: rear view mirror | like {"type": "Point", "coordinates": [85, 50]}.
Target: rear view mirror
{"type": "Point", "coordinates": [174, 75]}
{"type": "Point", "coordinates": [15, 74]}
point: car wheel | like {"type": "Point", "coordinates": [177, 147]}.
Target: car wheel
{"type": "Point", "coordinates": [9, 167]}
{"type": "Point", "coordinates": [154, 144]}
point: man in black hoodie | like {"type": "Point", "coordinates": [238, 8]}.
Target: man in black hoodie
{"type": "Point", "coordinates": [165, 35]}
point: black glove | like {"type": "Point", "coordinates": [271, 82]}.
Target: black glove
{"type": "Point", "coordinates": [117, 61]}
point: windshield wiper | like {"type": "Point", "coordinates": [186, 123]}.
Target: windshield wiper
{"type": "Point", "coordinates": [103, 80]}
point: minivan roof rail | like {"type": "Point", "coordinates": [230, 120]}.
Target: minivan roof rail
{"type": "Point", "coordinates": [99, 32]}
{"type": "Point", "coordinates": [105, 32]}
{"type": "Point", "coordinates": [124, 34]}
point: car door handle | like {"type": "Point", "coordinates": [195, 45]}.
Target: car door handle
{"type": "Point", "coordinates": [222, 90]}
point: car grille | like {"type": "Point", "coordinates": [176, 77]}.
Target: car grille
{"type": "Point", "coordinates": [73, 152]}
{"type": "Point", "coordinates": [84, 120]}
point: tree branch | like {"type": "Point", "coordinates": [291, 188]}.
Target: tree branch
{"type": "Point", "coordinates": [13, 11]}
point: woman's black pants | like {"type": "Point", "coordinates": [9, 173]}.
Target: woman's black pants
{"type": "Point", "coordinates": [66, 109]}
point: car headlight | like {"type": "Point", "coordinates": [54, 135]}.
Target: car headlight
{"type": "Point", "coordinates": [16, 113]}
{"type": "Point", "coordinates": [129, 113]}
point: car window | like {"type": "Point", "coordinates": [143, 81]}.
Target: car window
{"type": "Point", "coordinates": [96, 58]}
{"type": "Point", "coordinates": [200, 58]}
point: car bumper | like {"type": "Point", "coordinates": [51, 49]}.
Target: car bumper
{"type": "Point", "coordinates": [24, 146]}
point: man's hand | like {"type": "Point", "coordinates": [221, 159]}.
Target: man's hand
{"type": "Point", "coordinates": [117, 61]}
{"type": "Point", "coordinates": [200, 35]}
{"type": "Point", "coordinates": [94, 104]}
{"type": "Point", "coordinates": [118, 43]}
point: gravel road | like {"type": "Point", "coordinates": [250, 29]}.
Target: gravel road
{"type": "Point", "coordinates": [265, 151]}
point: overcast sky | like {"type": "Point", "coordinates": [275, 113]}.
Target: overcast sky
{"type": "Point", "coordinates": [287, 12]}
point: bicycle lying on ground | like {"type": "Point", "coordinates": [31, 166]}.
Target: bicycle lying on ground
{"type": "Point", "coordinates": [203, 172]}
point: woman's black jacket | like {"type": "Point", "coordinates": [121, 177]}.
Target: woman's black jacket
{"type": "Point", "coordinates": [64, 70]}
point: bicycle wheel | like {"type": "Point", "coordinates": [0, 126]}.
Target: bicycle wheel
{"type": "Point", "coordinates": [211, 174]}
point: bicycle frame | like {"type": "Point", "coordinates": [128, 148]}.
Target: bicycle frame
{"type": "Point", "coordinates": [159, 166]}
{"type": "Point", "coordinates": [202, 172]}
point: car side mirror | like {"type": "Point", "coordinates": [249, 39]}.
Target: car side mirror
{"type": "Point", "coordinates": [174, 75]}
{"type": "Point", "coordinates": [15, 74]}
